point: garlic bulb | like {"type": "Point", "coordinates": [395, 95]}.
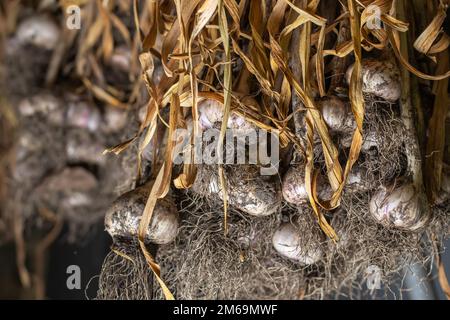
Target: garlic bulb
{"type": "Point", "coordinates": [44, 104]}
{"type": "Point", "coordinates": [123, 217]}
{"type": "Point", "coordinates": [81, 147]}
{"type": "Point", "coordinates": [371, 141]}
{"type": "Point", "coordinates": [81, 114]}
{"type": "Point", "coordinates": [211, 112]}
{"type": "Point", "coordinates": [380, 78]}
{"type": "Point", "coordinates": [71, 179]}
{"type": "Point", "coordinates": [27, 144]}
{"type": "Point", "coordinates": [114, 120]}
{"type": "Point", "coordinates": [336, 114]}
{"type": "Point", "coordinates": [294, 189]}
{"type": "Point", "coordinates": [444, 193]}
{"type": "Point", "coordinates": [287, 242]}
{"type": "Point", "coordinates": [400, 207]}
{"type": "Point", "coordinates": [121, 59]}
{"type": "Point", "coordinates": [39, 31]}
{"type": "Point", "coordinates": [359, 180]}
{"type": "Point", "coordinates": [247, 190]}
{"type": "Point", "coordinates": [68, 191]}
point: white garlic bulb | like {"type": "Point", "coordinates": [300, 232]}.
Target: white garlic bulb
{"type": "Point", "coordinates": [336, 114]}
{"type": "Point", "coordinates": [69, 180]}
{"type": "Point", "coordinates": [124, 216]}
{"type": "Point", "coordinates": [294, 189]}
{"type": "Point", "coordinates": [69, 192]}
{"type": "Point", "coordinates": [82, 148]}
{"type": "Point", "coordinates": [114, 120]}
{"type": "Point", "coordinates": [371, 140]}
{"type": "Point", "coordinates": [359, 180]}
{"type": "Point", "coordinates": [82, 114]}
{"type": "Point", "coordinates": [44, 104]}
{"type": "Point", "coordinates": [247, 190]}
{"type": "Point", "coordinates": [380, 78]}
{"type": "Point", "coordinates": [287, 242]}
{"type": "Point", "coordinates": [40, 31]}
{"type": "Point", "coordinates": [211, 112]}
{"type": "Point", "coordinates": [400, 207]}
{"type": "Point", "coordinates": [121, 59]}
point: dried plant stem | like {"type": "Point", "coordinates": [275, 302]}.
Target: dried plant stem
{"type": "Point", "coordinates": [295, 65]}
{"type": "Point", "coordinates": [21, 251]}
{"type": "Point", "coordinates": [66, 40]}
{"type": "Point", "coordinates": [436, 140]}
{"type": "Point", "coordinates": [407, 113]}
{"type": "Point", "coordinates": [339, 65]}
{"type": "Point", "coordinates": [40, 253]}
